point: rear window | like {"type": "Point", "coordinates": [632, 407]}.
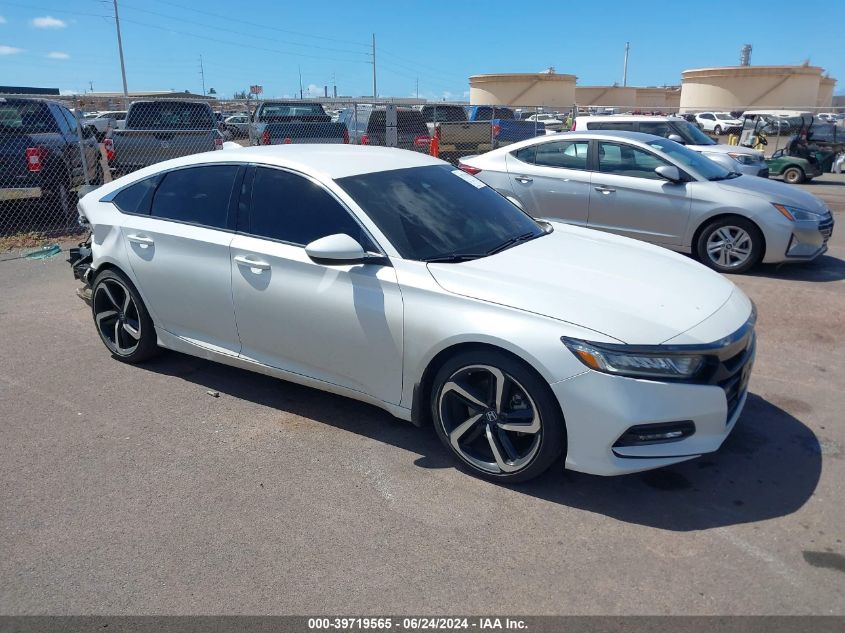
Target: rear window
{"type": "Point", "coordinates": [487, 113]}
{"type": "Point", "coordinates": [407, 121]}
{"type": "Point", "coordinates": [23, 117]}
{"type": "Point", "coordinates": [291, 109]}
{"type": "Point", "coordinates": [441, 114]}
{"type": "Point", "coordinates": [170, 116]}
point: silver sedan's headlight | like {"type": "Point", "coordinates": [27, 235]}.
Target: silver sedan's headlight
{"type": "Point", "coordinates": [794, 213]}
{"type": "Point", "coordinates": [635, 362]}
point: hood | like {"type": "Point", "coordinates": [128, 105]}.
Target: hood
{"type": "Point", "coordinates": [629, 290]}
{"type": "Point", "coordinates": [774, 191]}
{"type": "Point", "coordinates": [722, 148]}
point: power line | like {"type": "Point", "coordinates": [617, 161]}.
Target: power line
{"type": "Point", "coordinates": [230, 18]}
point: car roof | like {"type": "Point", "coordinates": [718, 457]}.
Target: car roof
{"type": "Point", "coordinates": [327, 161]}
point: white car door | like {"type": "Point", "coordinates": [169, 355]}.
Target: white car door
{"type": "Point", "coordinates": [340, 324]}
{"type": "Point", "coordinates": [551, 180]}
{"type": "Point", "coordinates": [630, 199]}
{"type": "Point", "coordinates": [176, 231]}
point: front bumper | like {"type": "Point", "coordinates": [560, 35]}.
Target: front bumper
{"type": "Point", "coordinates": [809, 240]}
{"type": "Point", "coordinates": [20, 193]}
{"type": "Point", "coordinates": [599, 408]}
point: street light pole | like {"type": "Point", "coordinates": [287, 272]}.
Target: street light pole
{"type": "Point", "coordinates": [120, 50]}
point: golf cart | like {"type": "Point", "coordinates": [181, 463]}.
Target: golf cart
{"type": "Point", "coordinates": [808, 152]}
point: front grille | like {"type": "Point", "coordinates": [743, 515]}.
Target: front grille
{"type": "Point", "coordinates": [826, 229]}
{"type": "Point", "coordinates": [732, 371]}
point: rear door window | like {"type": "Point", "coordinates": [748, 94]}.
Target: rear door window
{"type": "Point", "coordinates": [137, 198]}
{"type": "Point", "coordinates": [564, 154]}
{"type": "Point", "coordinates": [197, 195]}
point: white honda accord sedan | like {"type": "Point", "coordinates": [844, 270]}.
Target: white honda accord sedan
{"type": "Point", "coordinates": [392, 277]}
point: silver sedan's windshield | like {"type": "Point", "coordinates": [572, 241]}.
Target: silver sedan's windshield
{"type": "Point", "coordinates": [693, 160]}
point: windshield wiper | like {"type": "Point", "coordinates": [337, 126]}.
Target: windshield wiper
{"type": "Point", "coordinates": [454, 258]}
{"type": "Point", "coordinates": [513, 242]}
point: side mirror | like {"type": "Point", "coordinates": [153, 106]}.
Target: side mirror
{"type": "Point", "coordinates": [669, 172]}
{"type": "Point", "coordinates": [677, 139]}
{"type": "Point", "coordinates": [335, 250]}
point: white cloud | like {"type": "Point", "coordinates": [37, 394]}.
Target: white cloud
{"type": "Point", "coordinates": [58, 55]}
{"type": "Point", "coordinates": [48, 22]}
{"type": "Point", "coordinates": [9, 50]}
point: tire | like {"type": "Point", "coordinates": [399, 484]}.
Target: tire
{"type": "Point", "coordinates": [121, 319]}
{"type": "Point", "coordinates": [470, 424]}
{"type": "Point", "coordinates": [730, 245]}
{"type": "Point", "coordinates": [794, 175]}
{"type": "Point", "coordinates": [717, 130]}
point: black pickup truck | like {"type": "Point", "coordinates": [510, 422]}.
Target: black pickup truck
{"type": "Point", "coordinates": [41, 156]}
{"type": "Point", "coordinates": [280, 122]}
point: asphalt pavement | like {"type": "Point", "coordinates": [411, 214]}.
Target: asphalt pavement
{"type": "Point", "coordinates": [133, 490]}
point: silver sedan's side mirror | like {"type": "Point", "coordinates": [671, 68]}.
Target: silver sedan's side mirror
{"type": "Point", "coordinates": [336, 250]}
{"type": "Point", "coordinates": [677, 139]}
{"type": "Point", "coordinates": [669, 172]}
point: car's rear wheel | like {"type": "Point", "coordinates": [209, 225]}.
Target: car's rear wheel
{"type": "Point", "coordinates": [794, 175]}
{"type": "Point", "coordinates": [497, 416]}
{"type": "Point", "coordinates": [730, 245]}
{"type": "Point", "coordinates": [122, 320]}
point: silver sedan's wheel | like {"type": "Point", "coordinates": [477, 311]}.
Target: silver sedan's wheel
{"type": "Point", "coordinates": [117, 317]}
{"type": "Point", "coordinates": [490, 419]}
{"type": "Point", "coordinates": [729, 247]}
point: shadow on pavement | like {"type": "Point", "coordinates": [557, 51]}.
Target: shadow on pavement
{"type": "Point", "coordinates": [825, 268]}
{"type": "Point", "coordinates": [768, 467]}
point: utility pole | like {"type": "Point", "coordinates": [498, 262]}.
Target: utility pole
{"type": "Point", "coordinates": [120, 50]}
{"type": "Point", "coordinates": [300, 81]}
{"type": "Point", "coordinates": [202, 74]}
{"type": "Point", "coordinates": [625, 68]}
{"type": "Point", "coordinates": [375, 91]}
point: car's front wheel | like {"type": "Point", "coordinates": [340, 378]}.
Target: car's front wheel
{"type": "Point", "coordinates": [497, 416]}
{"type": "Point", "coordinates": [730, 245]}
{"type": "Point", "coordinates": [122, 321]}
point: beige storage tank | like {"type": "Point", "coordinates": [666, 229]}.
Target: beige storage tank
{"type": "Point", "coordinates": [616, 96]}
{"type": "Point", "coordinates": [662, 98]}
{"type": "Point", "coordinates": [547, 89]}
{"type": "Point", "coordinates": [826, 86]}
{"type": "Point", "coordinates": [740, 87]}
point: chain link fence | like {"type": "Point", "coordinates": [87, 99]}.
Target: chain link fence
{"type": "Point", "coordinates": [52, 152]}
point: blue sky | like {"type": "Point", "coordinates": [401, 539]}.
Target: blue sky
{"type": "Point", "coordinates": [68, 43]}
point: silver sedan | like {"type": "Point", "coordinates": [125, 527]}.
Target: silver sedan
{"type": "Point", "coordinates": [653, 189]}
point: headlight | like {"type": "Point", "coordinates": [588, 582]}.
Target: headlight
{"type": "Point", "coordinates": [744, 159]}
{"type": "Point", "coordinates": [794, 213]}
{"type": "Point", "coordinates": [634, 362]}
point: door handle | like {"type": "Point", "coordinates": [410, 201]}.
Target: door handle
{"type": "Point", "coordinates": [524, 179]}
{"type": "Point", "coordinates": [141, 240]}
{"type": "Point", "coordinates": [604, 190]}
{"type": "Point", "coordinates": [252, 263]}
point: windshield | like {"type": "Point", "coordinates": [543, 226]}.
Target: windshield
{"type": "Point", "coordinates": [438, 211]}
{"type": "Point", "coordinates": [692, 160]}
{"type": "Point", "coordinates": [691, 133]}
